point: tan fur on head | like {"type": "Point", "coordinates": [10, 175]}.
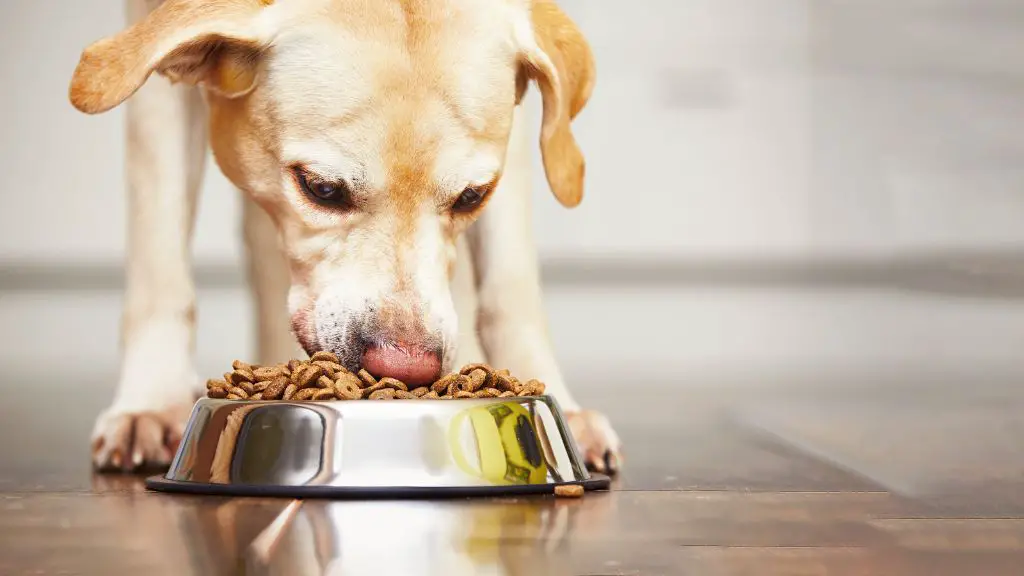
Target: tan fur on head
{"type": "Point", "coordinates": [403, 104]}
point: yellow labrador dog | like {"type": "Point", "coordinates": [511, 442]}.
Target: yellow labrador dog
{"type": "Point", "coordinates": [367, 136]}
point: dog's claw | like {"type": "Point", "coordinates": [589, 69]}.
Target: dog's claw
{"type": "Point", "coordinates": [129, 440]}
{"type": "Point", "coordinates": [612, 460]}
{"type": "Point", "coordinates": [597, 441]}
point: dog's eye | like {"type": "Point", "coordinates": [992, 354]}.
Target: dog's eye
{"type": "Point", "coordinates": [322, 191]}
{"type": "Point", "coordinates": [468, 200]}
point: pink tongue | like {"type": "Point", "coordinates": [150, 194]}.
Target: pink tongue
{"type": "Point", "coordinates": [414, 366]}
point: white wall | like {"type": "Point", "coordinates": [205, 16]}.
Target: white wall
{"type": "Point", "coordinates": [718, 127]}
{"type": "Point", "coordinates": [61, 174]}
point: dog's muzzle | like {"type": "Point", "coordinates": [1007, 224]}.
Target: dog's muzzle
{"type": "Point", "coordinates": [386, 345]}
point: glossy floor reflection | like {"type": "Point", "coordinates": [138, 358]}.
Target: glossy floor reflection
{"type": "Point", "coordinates": [848, 480]}
{"type": "Point", "coordinates": [868, 479]}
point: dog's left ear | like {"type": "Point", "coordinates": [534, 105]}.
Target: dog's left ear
{"type": "Point", "coordinates": [210, 42]}
{"type": "Point", "coordinates": [561, 62]}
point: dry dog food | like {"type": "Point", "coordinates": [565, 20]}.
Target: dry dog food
{"type": "Point", "coordinates": [322, 377]}
{"type": "Point", "coordinates": [569, 491]}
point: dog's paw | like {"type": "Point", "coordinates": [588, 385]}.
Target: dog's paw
{"type": "Point", "coordinates": [597, 441]}
{"type": "Point", "coordinates": [129, 440]}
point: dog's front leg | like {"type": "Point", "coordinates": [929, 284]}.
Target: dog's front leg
{"type": "Point", "coordinates": [158, 383]}
{"type": "Point", "coordinates": [269, 281]}
{"type": "Point", "coordinates": [511, 320]}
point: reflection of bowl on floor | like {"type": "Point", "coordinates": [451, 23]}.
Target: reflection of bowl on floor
{"type": "Point", "coordinates": [408, 448]}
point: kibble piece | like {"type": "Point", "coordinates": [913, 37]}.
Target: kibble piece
{"type": "Point", "coordinates": [305, 394]}
{"type": "Point", "coordinates": [447, 397]}
{"type": "Point", "coordinates": [503, 383]}
{"type": "Point", "coordinates": [213, 383]}
{"type": "Point", "coordinates": [378, 386]}
{"type": "Point", "coordinates": [536, 387]}
{"type": "Point", "coordinates": [239, 392]}
{"type": "Point", "coordinates": [217, 393]}
{"type": "Point", "coordinates": [459, 384]}
{"type": "Point", "coordinates": [239, 365]}
{"type": "Point", "coordinates": [506, 394]}
{"type": "Point", "coordinates": [234, 397]}
{"type": "Point", "coordinates": [420, 392]}
{"type": "Point", "coordinates": [569, 491]}
{"type": "Point", "coordinates": [256, 396]}
{"type": "Point", "coordinates": [468, 368]}
{"type": "Point", "coordinates": [503, 372]}
{"type": "Point", "coordinates": [267, 373]}
{"type": "Point", "coordinates": [324, 394]}
{"type": "Point", "coordinates": [476, 381]}
{"type": "Point", "coordinates": [382, 394]}
{"type": "Point", "coordinates": [441, 385]}
{"type": "Point", "coordinates": [243, 375]}
{"type": "Point", "coordinates": [325, 382]}
{"type": "Point", "coordinates": [464, 394]}
{"type": "Point", "coordinates": [261, 386]}
{"type": "Point", "coordinates": [248, 387]}
{"type": "Point", "coordinates": [403, 395]}
{"type": "Point", "coordinates": [349, 380]}
{"type": "Point", "coordinates": [393, 384]}
{"type": "Point", "coordinates": [432, 395]}
{"type": "Point", "coordinates": [276, 388]}
{"type": "Point", "coordinates": [293, 365]}
{"type": "Point", "coordinates": [289, 391]}
{"type": "Point", "coordinates": [324, 355]}
{"type": "Point", "coordinates": [347, 391]}
{"type": "Point", "coordinates": [490, 392]}
{"type": "Point", "coordinates": [367, 378]}
{"type": "Point", "coordinates": [285, 369]}
{"type": "Point", "coordinates": [308, 376]}
{"type": "Point", "coordinates": [330, 368]}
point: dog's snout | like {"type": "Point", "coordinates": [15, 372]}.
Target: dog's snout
{"type": "Point", "coordinates": [414, 365]}
{"type": "Point", "coordinates": [388, 340]}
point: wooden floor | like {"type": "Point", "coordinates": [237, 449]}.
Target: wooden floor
{"type": "Point", "coordinates": [873, 479]}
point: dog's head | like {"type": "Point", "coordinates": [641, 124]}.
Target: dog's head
{"type": "Point", "coordinates": [372, 131]}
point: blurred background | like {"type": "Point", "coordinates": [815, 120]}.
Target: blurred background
{"type": "Point", "coordinates": [779, 191]}
{"type": "Point", "coordinates": [797, 280]}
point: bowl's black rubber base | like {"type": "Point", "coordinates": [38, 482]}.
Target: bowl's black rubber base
{"type": "Point", "coordinates": [162, 484]}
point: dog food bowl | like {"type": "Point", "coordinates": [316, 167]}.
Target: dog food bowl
{"type": "Point", "coordinates": [369, 448]}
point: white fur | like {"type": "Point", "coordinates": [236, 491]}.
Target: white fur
{"type": "Point", "coordinates": [429, 255]}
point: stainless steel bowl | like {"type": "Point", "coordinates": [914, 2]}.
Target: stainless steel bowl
{"type": "Point", "coordinates": [400, 448]}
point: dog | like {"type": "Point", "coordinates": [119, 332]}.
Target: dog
{"type": "Point", "coordinates": [381, 151]}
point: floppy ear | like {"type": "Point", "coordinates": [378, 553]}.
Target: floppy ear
{"type": "Point", "coordinates": [214, 42]}
{"type": "Point", "coordinates": [562, 64]}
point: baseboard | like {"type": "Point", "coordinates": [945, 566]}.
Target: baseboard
{"type": "Point", "coordinates": [978, 274]}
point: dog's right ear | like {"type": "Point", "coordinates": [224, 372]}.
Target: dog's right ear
{"type": "Point", "coordinates": [213, 42]}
